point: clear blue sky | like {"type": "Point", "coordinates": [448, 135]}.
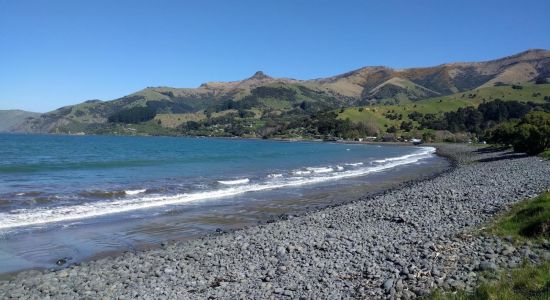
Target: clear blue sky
{"type": "Point", "coordinates": [55, 53]}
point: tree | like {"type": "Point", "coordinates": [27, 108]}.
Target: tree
{"type": "Point", "coordinates": [503, 134]}
{"type": "Point", "coordinates": [428, 136]}
{"type": "Point", "coordinates": [192, 125]}
{"type": "Point", "coordinates": [533, 133]}
{"type": "Point", "coordinates": [406, 126]}
{"type": "Point", "coordinates": [133, 115]}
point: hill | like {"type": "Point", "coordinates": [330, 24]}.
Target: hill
{"type": "Point", "coordinates": [262, 98]}
{"type": "Point", "coordinates": [383, 115]}
{"type": "Point", "coordinates": [13, 118]}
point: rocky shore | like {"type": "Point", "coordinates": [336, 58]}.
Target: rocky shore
{"type": "Point", "coordinates": [399, 244]}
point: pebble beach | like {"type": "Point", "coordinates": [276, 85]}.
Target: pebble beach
{"type": "Point", "coordinates": [399, 244]}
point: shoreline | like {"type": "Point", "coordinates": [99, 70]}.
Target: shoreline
{"type": "Point", "coordinates": [381, 245]}
{"type": "Point", "coordinates": [378, 189]}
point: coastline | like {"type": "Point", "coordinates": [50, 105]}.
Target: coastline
{"type": "Point", "coordinates": [324, 198]}
{"type": "Point", "coordinates": [365, 248]}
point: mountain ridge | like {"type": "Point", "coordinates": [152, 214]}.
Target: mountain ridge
{"type": "Point", "coordinates": [10, 118]}
{"type": "Point", "coordinates": [371, 84]}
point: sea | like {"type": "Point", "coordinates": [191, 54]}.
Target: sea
{"type": "Point", "coordinates": [67, 199]}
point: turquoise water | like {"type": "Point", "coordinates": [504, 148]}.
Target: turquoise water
{"type": "Point", "coordinates": [76, 196]}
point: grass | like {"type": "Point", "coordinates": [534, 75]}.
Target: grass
{"type": "Point", "coordinates": [528, 220]}
{"type": "Point", "coordinates": [438, 105]}
{"type": "Point", "coordinates": [545, 154]}
{"type": "Point", "coordinates": [175, 120]}
{"type": "Point", "coordinates": [356, 116]}
{"type": "Point", "coordinates": [526, 282]}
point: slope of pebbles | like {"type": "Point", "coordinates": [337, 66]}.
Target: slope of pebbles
{"type": "Point", "coordinates": [399, 244]}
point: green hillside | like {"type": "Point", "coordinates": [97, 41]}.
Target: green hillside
{"type": "Point", "coordinates": [384, 114]}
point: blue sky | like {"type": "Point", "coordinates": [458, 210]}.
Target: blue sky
{"type": "Point", "coordinates": [55, 53]}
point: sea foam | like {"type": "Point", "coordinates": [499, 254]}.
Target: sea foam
{"type": "Point", "coordinates": [320, 170]}
{"type": "Point", "coordinates": [234, 182]}
{"type": "Point", "coordinates": [134, 192]}
{"type": "Point", "coordinates": [40, 216]}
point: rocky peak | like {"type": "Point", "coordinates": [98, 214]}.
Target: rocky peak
{"type": "Point", "coordinates": [259, 76]}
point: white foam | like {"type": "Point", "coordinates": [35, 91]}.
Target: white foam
{"type": "Point", "coordinates": [275, 175]}
{"type": "Point", "coordinates": [320, 170]}
{"type": "Point", "coordinates": [134, 192]}
{"type": "Point", "coordinates": [234, 182]}
{"type": "Point", "coordinates": [38, 216]}
{"type": "Point", "coordinates": [423, 151]}
{"type": "Point", "coordinates": [339, 168]}
{"type": "Point", "coordinates": [355, 164]}
{"type": "Point", "coordinates": [301, 172]}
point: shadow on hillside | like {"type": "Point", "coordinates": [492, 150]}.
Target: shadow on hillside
{"type": "Point", "coordinates": [507, 155]}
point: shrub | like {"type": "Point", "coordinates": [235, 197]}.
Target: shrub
{"type": "Point", "coordinates": [406, 126]}
{"type": "Point", "coordinates": [541, 81]}
{"type": "Point", "coordinates": [133, 115]}
{"type": "Point", "coordinates": [428, 136]}
{"type": "Point", "coordinates": [531, 135]}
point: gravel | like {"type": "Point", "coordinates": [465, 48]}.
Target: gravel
{"type": "Point", "coordinates": [402, 243]}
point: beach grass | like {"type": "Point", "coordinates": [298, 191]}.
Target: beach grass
{"type": "Point", "coordinates": [528, 220]}
{"type": "Point", "coordinates": [526, 282]}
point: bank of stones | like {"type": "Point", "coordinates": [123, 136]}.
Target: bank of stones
{"type": "Point", "coordinates": [400, 244]}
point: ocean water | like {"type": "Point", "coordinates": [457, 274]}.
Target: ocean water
{"type": "Point", "coordinates": [76, 197]}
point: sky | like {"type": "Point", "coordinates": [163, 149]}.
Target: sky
{"type": "Point", "coordinates": [55, 53]}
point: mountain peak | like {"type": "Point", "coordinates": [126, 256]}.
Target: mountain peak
{"type": "Point", "coordinates": [259, 75]}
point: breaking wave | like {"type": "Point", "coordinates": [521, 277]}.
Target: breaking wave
{"type": "Point", "coordinates": [312, 175]}
{"type": "Point", "coordinates": [234, 182]}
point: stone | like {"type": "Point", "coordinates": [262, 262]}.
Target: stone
{"type": "Point", "coordinates": [388, 285]}
{"type": "Point", "coordinates": [487, 266]}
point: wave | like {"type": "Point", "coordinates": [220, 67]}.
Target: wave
{"type": "Point", "coordinates": [275, 175]}
{"type": "Point", "coordinates": [101, 194]}
{"type": "Point", "coordinates": [301, 172]}
{"type": "Point", "coordinates": [234, 182]}
{"type": "Point", "coordinates": [39, 216]}
{"type": "Point", "coordinates": [423, 151]}
{"type": "Point", "coordinates": [321, 170]}
{"type": "Point", "coordinates": [134, 192]}
{"type": "Point", "coordinates": [354, 164]}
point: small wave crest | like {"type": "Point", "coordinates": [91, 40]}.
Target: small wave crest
{"type": "Point", "coordinates": [423, 151]}
{"type": "Point", "coordinates": [134, 192]}
{"type": "Point", "coordinates": [321, 170]}
{"type": "Point", "coordinates": [234, 182]}
{"type": "Point", "coordinates": [44, 215]}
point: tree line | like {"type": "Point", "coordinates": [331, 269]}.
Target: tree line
{"type": "Point", "coordinates": [523, 125]}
